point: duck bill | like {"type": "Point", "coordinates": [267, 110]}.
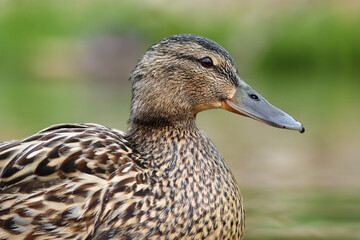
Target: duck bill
{"type": "Point", "coordinates": [249, 103]}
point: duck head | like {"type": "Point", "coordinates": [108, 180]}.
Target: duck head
{"type": "Point", "coordinates": [184, 74]}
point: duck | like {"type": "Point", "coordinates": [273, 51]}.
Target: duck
{"type": "Point", "coordinates": [162, 178]}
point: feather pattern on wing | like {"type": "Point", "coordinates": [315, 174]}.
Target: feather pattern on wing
{"type": "Point", "coordinates": [59, 152]}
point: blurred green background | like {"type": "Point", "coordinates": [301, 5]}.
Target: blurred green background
{"type": "Point", "coordinates": [69, 61]}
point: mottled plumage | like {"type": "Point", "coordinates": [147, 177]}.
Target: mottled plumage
{"type": "Point", "coordinates": [162, 179]}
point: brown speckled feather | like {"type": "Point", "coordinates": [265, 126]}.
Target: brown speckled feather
{"type": "Point", "coordinates": [117, 198]}
{"type": "Point", "coordinates": [52, 182]}
{"type": "Point", "coordinates": [62, 151]}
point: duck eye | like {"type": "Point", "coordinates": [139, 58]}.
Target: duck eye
{"type": "Point", "coordinates": [206, 62]}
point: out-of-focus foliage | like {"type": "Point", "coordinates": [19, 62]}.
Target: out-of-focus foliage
{"type": "Point", "coordinates": [69, 61]}
{"type": "Point", "coordinates": [315, 41]}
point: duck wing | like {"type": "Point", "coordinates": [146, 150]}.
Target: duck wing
{"type": "Point", "coordinates": [60, 152]}
{"type": "Point", "coordinates": [56, 184]}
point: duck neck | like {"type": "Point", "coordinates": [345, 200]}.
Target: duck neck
{"type": "Point", "coordinates": [140, 123]}
{"type": "Point", "coordinates": [168, 146]}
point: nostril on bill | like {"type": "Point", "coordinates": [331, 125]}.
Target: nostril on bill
{"type": "Point", "coordinates": [254, 96]}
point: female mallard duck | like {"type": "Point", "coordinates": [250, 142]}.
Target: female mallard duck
{"type": "Point", "coordinates": [162, 179]}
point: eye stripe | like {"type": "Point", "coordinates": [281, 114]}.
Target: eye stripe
{"type": "Point", "coordinates": [218, 69]}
